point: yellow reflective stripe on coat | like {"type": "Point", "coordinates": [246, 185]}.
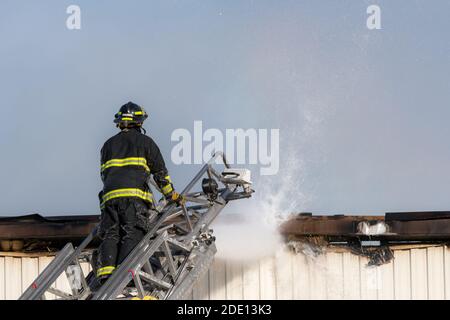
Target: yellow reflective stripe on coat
{"type": "Point", "coordinates": [167, 189]}
{"type": "Point", "coordinates": [128, 192]}
{"type": "Point", "coordinates": [105, 270]}
{"type": "Point", "coordinates": [127, 119]}
{"type": "Point", "coordinates": [132, 161]}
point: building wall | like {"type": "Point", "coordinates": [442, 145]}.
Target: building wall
{"type": "Point", "coordinates": [415, 273]}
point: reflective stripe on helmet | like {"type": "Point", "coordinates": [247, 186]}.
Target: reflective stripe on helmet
{"type": "Point", "coordinates": [131, 161]}
{"type": "Point", "coordinates": [130, 112]}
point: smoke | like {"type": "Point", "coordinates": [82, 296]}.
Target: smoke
{"type": "Point", "coordinates": [245, 237]}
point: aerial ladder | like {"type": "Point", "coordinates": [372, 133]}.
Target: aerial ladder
{"type": "Point", "coordinates": [171, 257]}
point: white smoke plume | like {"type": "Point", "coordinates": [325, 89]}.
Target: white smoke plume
{"type": "Point", "coordinates": [251, 232]}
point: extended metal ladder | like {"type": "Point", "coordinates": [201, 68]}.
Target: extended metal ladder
{"type": "Point", "coordinates": [168, 260]}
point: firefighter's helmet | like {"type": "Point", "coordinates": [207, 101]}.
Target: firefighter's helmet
{"type": "Point", "coordinates": [130, 114]}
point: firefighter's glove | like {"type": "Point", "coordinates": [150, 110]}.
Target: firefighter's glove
{"type": "Point", "coordinates": [177, 198]}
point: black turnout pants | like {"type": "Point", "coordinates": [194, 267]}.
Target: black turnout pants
{"type": "Point", "coordinates": [124, 222]}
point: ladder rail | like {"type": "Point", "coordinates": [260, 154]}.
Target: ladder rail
{"type": "Point", "coordinates": [124, 274]}
{"type": "Point", "coordinates": [185, 285]}
{"type": "Point", "coordinates": [37, 289]}
{"type": "Point", "coordinates": [58, 265]}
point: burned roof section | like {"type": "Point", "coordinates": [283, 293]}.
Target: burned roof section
{"type": "Point", "coordinates": [36, 226]}
{"type": "Point", "coordinates": [37, 233]}
{"type": "Point", "coordinates": [373, 237]}
{"type": "Point", "coordinates": [391, 228]}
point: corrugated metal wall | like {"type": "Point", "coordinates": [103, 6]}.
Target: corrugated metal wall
{"type": "Point", "coordinates": [17, 273]}
{"type": "Point", "coordinates": [420, 273]}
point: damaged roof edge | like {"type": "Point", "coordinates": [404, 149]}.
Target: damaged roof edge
{"type": "Point", "coordinates": [37, 227]}
{"type": "Point", "coordinates": [408, 226]}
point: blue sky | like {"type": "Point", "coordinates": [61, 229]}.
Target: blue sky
{"type": "Point", "coordinates": [363, 114]}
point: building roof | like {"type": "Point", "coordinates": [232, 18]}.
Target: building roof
{"type": "Point", "coordinates": [37, 232]}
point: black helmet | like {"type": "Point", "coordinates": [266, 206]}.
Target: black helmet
{"type": "Point", "coordinates": [130, 114]}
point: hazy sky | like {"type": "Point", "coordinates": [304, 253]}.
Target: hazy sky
{"type": "Point", "coordinates": [363, 114]}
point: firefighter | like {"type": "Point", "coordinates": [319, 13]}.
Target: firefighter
{"type": "Point", "coordinates": [127, 160]}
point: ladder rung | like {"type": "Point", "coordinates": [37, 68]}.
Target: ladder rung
{"type": "Point", "coordinates": [61, 294]}
{"type": "Point", "coordinates": [170, 261]}
{"type": "Point", "coordinates": [148, 268]}
{"type": "Point", "coordinates": [178, 244]}
{"type": "Point", "coordinates": [149, 278]}
{"type": "Point", "coordinates": [139, 286]}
